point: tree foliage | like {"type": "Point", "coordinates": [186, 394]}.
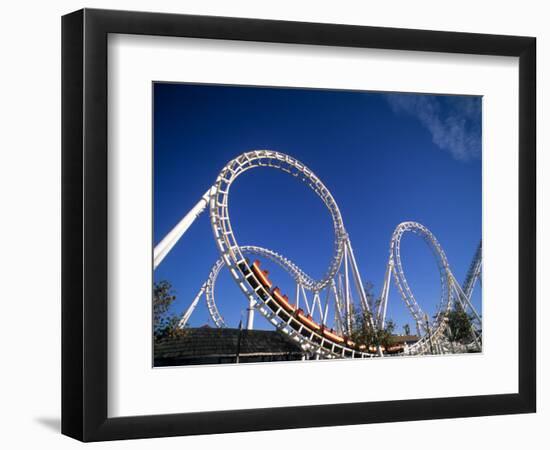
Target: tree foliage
{"type": "Point", "coordinates": [372, 301]}
{"type": "Point", "coordinates": [164, 323]}
{"type": "Point", "coordinates": [459, 324]}
{"type": "Point", "coordinates": [363, 331]}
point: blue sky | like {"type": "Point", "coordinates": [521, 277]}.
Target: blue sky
{"type": "Point", "coordinates": [386, 158]}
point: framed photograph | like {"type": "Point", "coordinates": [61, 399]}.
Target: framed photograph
{"type": "Point", "coordinates": [273, 224]}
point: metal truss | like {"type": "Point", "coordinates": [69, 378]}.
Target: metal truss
{"type": "Point", "coordinates": [432, 329]}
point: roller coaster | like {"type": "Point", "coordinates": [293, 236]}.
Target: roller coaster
{"type": "Point", "coordinates": [320, 318]}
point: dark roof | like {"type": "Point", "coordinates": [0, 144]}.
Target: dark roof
{"type": "Point", "coordinates": [397, 338]}
{"type": "Point", "coordinates": [197, 342]}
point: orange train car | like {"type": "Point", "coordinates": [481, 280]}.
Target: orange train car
{"type": "Point", "coordinates": [370, 349]}
{"type": "Point", "coordinates": [349, 342]}
{"type": "Point", "coordinates": [395, 349]}
{"type": "Point", "coordinates": [307, 320]}
{"type": "Point", "coordinates": [261, 275]}
{"type": "Point", "coordinates": [282, 300]}
{"type": "Point", "coordinates": [330, 334]}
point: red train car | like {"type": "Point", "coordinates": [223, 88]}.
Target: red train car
{"type": "Point", "coordinates": [261, 275]}
{"type": "Point", "coordinates": [395, 349]}
{"type": "Point", "coordinates": [307, 320]}
{"type": "Point", "coordinates": [330, 334]}
{"type": "Point", "coordinates": [349, 342]}
{"type": "Point", "coordinates": [282, 300]}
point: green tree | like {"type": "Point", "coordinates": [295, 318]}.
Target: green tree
{"type": "Point", "coordinates": [372, 301]}
{"type": "Point", "coordinates": [164, 324]}
{"type": "Point", "coordinates": [364, 333]}
{"type": "Point", "coordinates": [385, 334]}
{"type": "Point", "coordinates": [459, 324]}
{"type": "Point", "coordinates": [407, 329]}
{"type": "Point", "coordinates": [163, 297]}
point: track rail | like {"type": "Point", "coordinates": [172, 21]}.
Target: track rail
{"type": "Point", "coordinates": [233, 257]}
{"type": "Point", "coordinates": [451, 291]}
{"type": "Point", "coordinates": [292, 269]}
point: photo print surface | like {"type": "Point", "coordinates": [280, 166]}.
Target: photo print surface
{"type": "Point", "coordinates": [314, 224]}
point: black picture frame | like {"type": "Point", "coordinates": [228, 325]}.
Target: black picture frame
{"type": "Point", "coordinates": [84, 224]}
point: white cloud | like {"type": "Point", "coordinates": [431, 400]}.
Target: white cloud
{"type": "Point", "coordinates": [453, 121]}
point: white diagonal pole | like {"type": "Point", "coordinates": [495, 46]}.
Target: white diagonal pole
{"type": "Point", "coordinates": [187, 315]}
{"type": "Point", "coordinates": [174, 235]}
